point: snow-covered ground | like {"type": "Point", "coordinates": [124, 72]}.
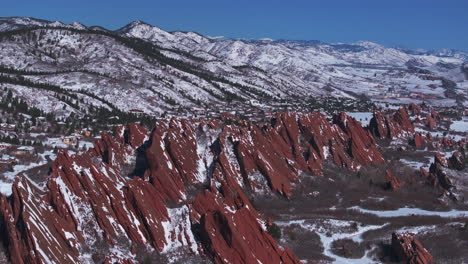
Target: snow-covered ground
{"type": "Point", "coordinates": [412, 211]}
{"type": "Point", "coordinates": [416, 164]}
{"type": "Point", "coordinates": [460, 126]}
{"type": "Point", "coordinates": [438, 134]}
{"type": "Point", "coordinates": [330, 230]}
{"type": "Point", "coordinates": [5, 185]}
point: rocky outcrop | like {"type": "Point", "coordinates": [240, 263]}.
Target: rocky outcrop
{"type": "Point", "coordinates": [418, 140]}
{"type": "Point", "coordinates": [180, 187]}
{"type": "Point", "coordinates": [437, 172]}
{"type": "Point", "coordinates": [450, 143]}
{"type": "Point", "coordinates": [432, 119]}
{"type": "Point", "coordinates": [88, 209]}
{"type": "Point", "coordinates": [436, 116]}
{"type": "Point", "coordinates": [363, 148]}
{"type": "Point", "coordinates": [406, 248]}
{"type": "Point", "coordinates": [391, 125]}
{"type": "Point", "coordinates": [231, 232]}
{"type": "Point", "coordinates": [457, 161]}
{"type": "Point", "coordinates": [392, 182]}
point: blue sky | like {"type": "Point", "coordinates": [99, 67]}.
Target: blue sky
{"type": "Point", "coordinates": [430, 24]}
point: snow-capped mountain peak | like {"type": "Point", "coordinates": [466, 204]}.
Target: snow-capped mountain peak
{"type": "Point", "coordinates": [368, 44]}
{"type": "Point", "coordinates": [142, 30]}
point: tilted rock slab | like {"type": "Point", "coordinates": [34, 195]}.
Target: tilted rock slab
{"type": "Point", "coordinates": [409, 250]}
{"type": "Point", "coordinates": [184, 191]}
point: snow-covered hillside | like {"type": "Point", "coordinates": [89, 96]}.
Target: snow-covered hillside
{"type": "Point", "coordinates": [144, 68]}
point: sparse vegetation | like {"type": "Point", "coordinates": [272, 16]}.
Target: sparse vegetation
{"type": "Point", "coordinates": [275, 231]}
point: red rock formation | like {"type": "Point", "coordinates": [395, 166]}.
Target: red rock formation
{"type": "Point", "coordinates": [378, 125]}
{"type": "Point", "coordinates": [409, 250]}
{"type": "Point", "coordinates": [391, 125]}
{"type": "Point", "coordinates": [231, 232]}
{"type": "Point", "coordinates": [89, 200]}
{"type": "Point", "coordinates": [418, 140]}
{"type": "Point", "coordinates": [449, 143]}
{"type": "Point", "coordinates": [437, 174]}
{"type": "Point", "coordinates": [117, 149]}
{"type": "Point", "coordinates": [430, 122]}
{"type": "Point", "coordinates": [436, 116]}
{"type": "Point", "coordinates": [403, 122]}
{"type": "Point", "coordinates": [392, 182]}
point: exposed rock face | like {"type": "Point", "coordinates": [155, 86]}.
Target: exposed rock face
{"type": "Point", "coordinates": [457, 161]}
{"type": "Point", "coordinates": [392, 182]}
{"type": "Point", "coordinates": [362, 143]}
{"type": "Point", "coordinates": [85, 204]}
{"type": "Point", "coordinates": [231, 232]}
{"type": "Point", "coordinates": [432, 118]}
{"type": "Point", "coordinates": [409, 250]}
{"type": "Point", "coordinates": [439, 159]}
{"type": "Point", "coordinates": [437, 174]}
{"type": "Point", "coordinates": [391, 125]}
{"type": "Point", "coordinates": [418, 140]}
{"type": "Point", "coordinates": [179, 188]}
{"type": "Point", "coordinates": [436, 116]}
{"type": "Point", "coordinates": [430, 122]}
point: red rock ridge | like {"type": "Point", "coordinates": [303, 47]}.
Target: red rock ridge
{"type": "Point", "coordinates": [437, 174]}
{"type": "Point", "coordinates": [202, 166]}
{"type": "Point", "coordinates": [391, 125]}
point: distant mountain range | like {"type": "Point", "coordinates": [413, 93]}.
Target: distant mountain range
{"type": "Point", "coordinates": [141, 67]}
